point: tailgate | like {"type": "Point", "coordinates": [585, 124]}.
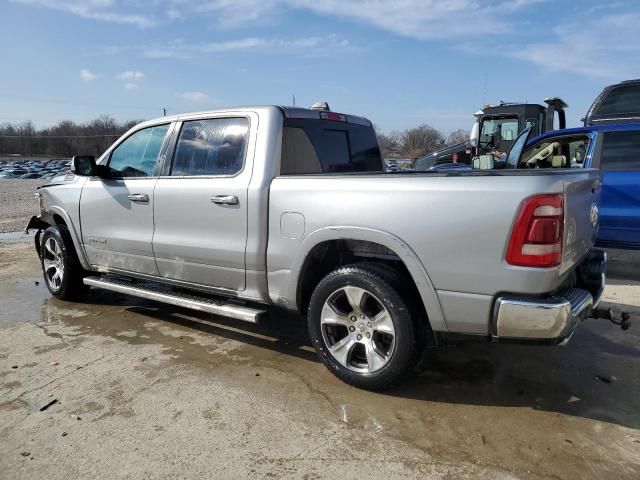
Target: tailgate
{"type": "Point", "coordinates": [582, 192]}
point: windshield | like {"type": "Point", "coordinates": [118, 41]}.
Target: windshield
{"type": "Point", "coordinates": [496, 131]}
{"type": "Point", "coordinates": [426, 162]}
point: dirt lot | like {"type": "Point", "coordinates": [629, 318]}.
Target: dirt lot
{"type": "Point", "coordinates": [17, 203]}
{"type": "Point", "coordinates": [122, 388]}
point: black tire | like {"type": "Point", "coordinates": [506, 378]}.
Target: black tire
{"type": "Point", "coordinates": [400, 358]}
{"type": "Point", "coordinates": [402, 283]}
{"type": "Point", "coordinates": [68, 286]}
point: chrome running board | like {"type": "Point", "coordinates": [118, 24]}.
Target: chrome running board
{"type": "Point", "coordinates": [161, 293]}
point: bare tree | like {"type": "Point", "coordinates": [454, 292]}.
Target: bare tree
{"type": "Point", "coordinates": [66, 138]}
{"type": "Point", "coordinates": [389, 144]}
{"type": "Point", "coordinates": [458, 136]}
{"type": "Point", "coordinates": [419, 141]}
{"type": "Point", "coordinates": [26, 131]}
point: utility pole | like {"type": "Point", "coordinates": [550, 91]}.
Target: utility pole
{"type": "Point", "coordinates": [164, 112]}
{"type": "Point", "coordinates": [294, 100]}
{"type": "Point", "coordinates": [484, 96]}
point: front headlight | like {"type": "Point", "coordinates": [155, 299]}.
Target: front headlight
{"type": "Point", "coordinates": [40, 200]}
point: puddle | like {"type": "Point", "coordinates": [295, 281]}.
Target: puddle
{"type": "Point", "coordinates": [15, 237]}
{"type": "Point", "coordinates": [23, 300]}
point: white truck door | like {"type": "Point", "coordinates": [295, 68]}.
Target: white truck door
{"type": "Point", "coordinates": [200, 206]}
{"type": "Point", "coordinates": [116, 213]}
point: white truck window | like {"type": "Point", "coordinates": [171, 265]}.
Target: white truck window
{"type": "Point", "coordinates": [211, 147]}
{"type": "Point", "coordinates": [138, 154]}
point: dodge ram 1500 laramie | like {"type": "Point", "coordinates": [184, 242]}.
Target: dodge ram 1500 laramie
{"type": "Point", "coordinates": [230, 211]}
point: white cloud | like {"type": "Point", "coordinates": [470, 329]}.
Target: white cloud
{"type": "Point", "coordinates": [87, 76]}
{"type": "Point", "coordinates": [311, 46]}
{"type": "Point", "coordinates": [102, 10]}
{"type": "Point", "coordinates": [603, 6]}
{"type": "Point", "coordinates": [237, 13]}
{"type": "Point", "coordinates": [195, 96]}
{"type": "Point", "coordinates": [412, 18]}
{"type": "Point", "coordinates": [174, 14]}
{"type": "Point", "coordinates": [130, 75]}
{"type": "Point", "coordinates": [130, 86]}
{"type": "Point", "coordinates": [610, 49]}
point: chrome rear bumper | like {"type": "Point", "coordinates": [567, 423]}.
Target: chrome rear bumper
{"type": "Point", "coordinates": [552, 319]}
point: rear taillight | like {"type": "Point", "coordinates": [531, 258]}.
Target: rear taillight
{"type": "Point", "coordinates": [338, 117]}
{"type": "Point", "coordinates": [536, 239]}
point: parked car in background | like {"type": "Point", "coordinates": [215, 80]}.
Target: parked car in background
{"type": "Point", "coordinates": [208, 211]}
{"type": "Point", "coordinates": [619, 103]}
{"type": "Point", "coordinates": [25, 168]}
{"type": "Point", "coordinates": [398, 164]}
{"type": "Point", "coordinates": [14, 173]}
{"type": "Point", "coordinates": [614, 148]}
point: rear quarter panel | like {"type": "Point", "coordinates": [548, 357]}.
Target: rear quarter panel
{"type": "Point", "coordinates": [457, 227]}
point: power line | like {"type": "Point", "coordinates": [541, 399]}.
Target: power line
{"type": "Point", "coordinates": [60, 136]}
{"type": "Point", "coordinates": [63, 101]}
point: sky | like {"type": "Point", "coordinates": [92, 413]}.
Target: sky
{"type": "Point", "coordinates": [399, 63]}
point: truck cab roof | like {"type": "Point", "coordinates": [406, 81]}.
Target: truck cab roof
{"type": "Point", "coordinates": [286, 111]}
{"type": "Point", "coordinates": [511, 108]}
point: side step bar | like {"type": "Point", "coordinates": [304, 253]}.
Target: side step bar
{"type": "Point", "coordinates": [164, 294]}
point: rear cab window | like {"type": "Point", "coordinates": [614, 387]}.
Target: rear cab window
{"type": "Point", "coordinates": [621, 151]}
{"type": "Point", "coordinates": [328, 146]}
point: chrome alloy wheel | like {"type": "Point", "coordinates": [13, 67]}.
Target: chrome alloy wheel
{"type": "Point", "coordinates": [53, 264]}
{"type": "Point", "coordinates": [357, 329]}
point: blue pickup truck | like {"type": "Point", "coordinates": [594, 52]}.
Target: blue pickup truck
{"type": "Point", "coordinates": [615, 150]}
{"type": "Point", "coordinates": [609, 140]}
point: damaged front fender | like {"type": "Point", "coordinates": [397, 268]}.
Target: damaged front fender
{"type": "Point", "coordinates": [36, 223]}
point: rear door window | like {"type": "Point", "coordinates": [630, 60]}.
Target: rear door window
{"type": "Point", "coordinates": [324, 146]}
{"type": "Point", "coordinates": [621, 151]}
{"type": "Point", "coordinates": [214, 146]}
{"type": "Point", "coordinates": [557, 152]}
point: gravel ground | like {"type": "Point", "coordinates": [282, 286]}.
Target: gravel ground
{"type": "Point", "coordinates": [17, 204]}
{"type": "Point", "coordinates": [122, 388]}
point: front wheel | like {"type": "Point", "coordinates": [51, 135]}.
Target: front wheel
{"type": "Point", "coordinates": [361, 328]}
{"type": "Point", "coordinates": [62, 272]}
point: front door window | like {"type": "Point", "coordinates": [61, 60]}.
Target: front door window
{"type": "Point", "coordinates": [137, 156]}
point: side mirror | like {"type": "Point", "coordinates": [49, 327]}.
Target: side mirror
{"type": "Point", "coordinates": [84, 165]}
{"type": "Point", "coordinates": [475, 134]}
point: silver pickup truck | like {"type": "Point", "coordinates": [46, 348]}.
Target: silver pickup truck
{"type": "Point", "coordinates": [231, 211]}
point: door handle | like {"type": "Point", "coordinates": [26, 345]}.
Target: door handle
{"type": "Point", "coordinates": [138, 197]}
{"type": "Point", "coordinates": [225, 199]}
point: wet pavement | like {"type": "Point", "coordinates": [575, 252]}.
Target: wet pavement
{"type": "Point", "coordinates": [119, 387]}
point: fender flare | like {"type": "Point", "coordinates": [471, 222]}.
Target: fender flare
{"type": "Point", "coordinates": [54, 209]}
{"type": "Point", "coordinates": [406, 254]}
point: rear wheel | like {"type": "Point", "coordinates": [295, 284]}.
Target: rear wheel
{"type": "Point", "coordinates": [361, 328]}
{"type": "Point", "coordinates": [62, 272]}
